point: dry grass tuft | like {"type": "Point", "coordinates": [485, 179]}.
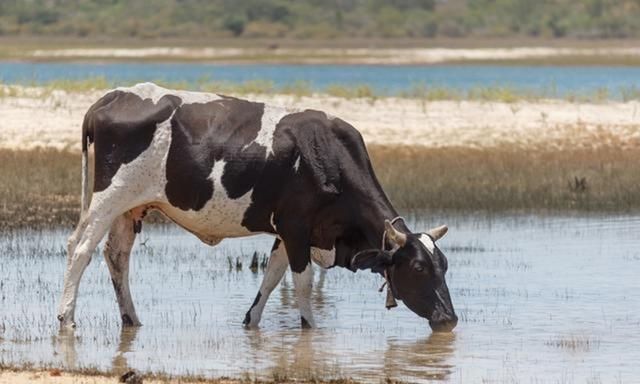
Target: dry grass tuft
{"type": "Point", "coordinates": [41, 187]}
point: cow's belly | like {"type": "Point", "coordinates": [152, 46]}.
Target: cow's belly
{"type": "Point", "coordinates": [220, 218]}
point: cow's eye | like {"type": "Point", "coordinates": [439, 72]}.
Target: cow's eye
{"type": "Point", "coordinates": [420, 268]}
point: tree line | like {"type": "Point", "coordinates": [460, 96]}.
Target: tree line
{"type": "Point", "coordinates": [321, 19]}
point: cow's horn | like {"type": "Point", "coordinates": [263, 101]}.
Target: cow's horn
{"type": "Point", "coordinates": [437, 232]}
{"type": "Point", "coordinates": [394, 235]}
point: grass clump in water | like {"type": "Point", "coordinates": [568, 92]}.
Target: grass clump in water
{"type": "Point", "coordinates": [574, 343]}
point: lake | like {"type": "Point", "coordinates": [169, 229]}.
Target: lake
{"type": "Point", "coordinates": [540, 299]}
{"type": "Point", "coordinates": [550, 80]}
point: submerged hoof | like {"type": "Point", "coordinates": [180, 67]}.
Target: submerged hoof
{"type": "Point", "coordinates": [66, 324]}
{"type": "Point", "coordinates": [247, 319]}
{"type": "Point", "coordinates": [304, 323]}
{"type": "Point", "coordinates": [127, 321]}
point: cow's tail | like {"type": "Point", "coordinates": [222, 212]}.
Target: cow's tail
{"type": "Point", "coordinates": [87, 135]}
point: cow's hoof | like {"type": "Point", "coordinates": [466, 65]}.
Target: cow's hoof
{"type": "Point", "coordinates": [249, 323]}
{"type": "Point", "coordinates": [304, 323]}
{"type": "Point", "coordinates": [247, 319]}
{"type": "Point", "coordinates": [127, 321]}
{"type": "Point", "coordinates": [66, 324]}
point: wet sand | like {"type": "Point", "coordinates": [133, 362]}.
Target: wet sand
{"type": "Point", "coordinates": [34, 118]}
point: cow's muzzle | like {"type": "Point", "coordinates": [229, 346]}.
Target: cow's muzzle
{"type": "Point", "coordinates": [443, 324]}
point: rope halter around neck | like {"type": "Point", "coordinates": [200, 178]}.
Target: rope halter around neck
{"type": "Point", "coordinates": [390, 301]}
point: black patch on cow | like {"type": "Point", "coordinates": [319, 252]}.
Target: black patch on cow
{"type": "Point", "coordinates": [305, 137]}
{"type": "Point", "coordinates": [126, 321]}
{"type": "Point", "coordinates": [304, 323]}
{"type": "Point", "coordinates": [122, 126]}
{"type": "Point", "coordinates": [204, 133]}
{"type": "Point", "coordinates": [276, 245]}
{"type": "Point", "coordinates": [247, 317]}
{"type": "Point", "coordinates": [257, 300]}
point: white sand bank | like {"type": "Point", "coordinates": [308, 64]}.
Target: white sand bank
{"type": "Point", "coordinates": [53, 120]}
{"type": "Point", "coordinates": [342, 55]}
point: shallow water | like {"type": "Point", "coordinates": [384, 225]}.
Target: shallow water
{"type": "Point", "coordinates": [551, 80]}
{"type": "Point", "coordinates": [540, 299]}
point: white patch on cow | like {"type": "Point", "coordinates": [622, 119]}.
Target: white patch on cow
{"type": "Point", "coordinates": [296, 165]}
{"type": "Point", "coordinates": [273, 223]}
{"type": "Point", "coordinates": [276, 268]}
{"type": "Point", "coordinates": [155, 93]}
{"type": "Point", "coordinates": [428, 243]}
{"type": "Point", "coordinates": [220, 217]}
{"type": "Point", "coordinates": [323, 257]}
{"type": "Point", "coordinates": [303, 283]}
{"type": "Point", "coordinates": [142, 180]}
{"type": "Point", "coordinates": [270, 118]}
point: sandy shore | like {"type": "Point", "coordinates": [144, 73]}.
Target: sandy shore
{"type": "Point", "coordinates": [343, 55]}
{"type": "Point", "coordinates": [34, 118]}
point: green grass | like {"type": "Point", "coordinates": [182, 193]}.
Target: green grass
{"type": "Point", "coordinates": [419, 91]}
{"type": "Point", "coordinates": [41, 187]}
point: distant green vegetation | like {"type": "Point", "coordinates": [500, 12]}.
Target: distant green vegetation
{"type": "Point", "coordinates": [419, 91]}
{"type": "Point", "coordinates": [320, 19]}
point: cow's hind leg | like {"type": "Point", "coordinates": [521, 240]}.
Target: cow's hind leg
{"type": "Point", "coordinates": [275, 271]}
{"type": "Point", "coordinates": [94, 230]}
{"type": "Point", "coordinates": [116, 253]}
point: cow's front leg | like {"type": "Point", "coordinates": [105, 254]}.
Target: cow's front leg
{"type": "Point", "coordinates": [303, 284]}
{"type": "Point", "coordinates": [275, 271]}
{"type": "Point", "coordinates": [297, 242]}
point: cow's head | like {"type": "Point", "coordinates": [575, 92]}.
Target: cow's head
{"type": "Point", "coordinates": [415, 269]}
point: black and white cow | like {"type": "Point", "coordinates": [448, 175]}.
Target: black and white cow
{"type": "Point", "coordinates": [223, 167]}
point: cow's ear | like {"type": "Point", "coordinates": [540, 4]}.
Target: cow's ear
{"type": "Point", "coordinates": [374, 259]}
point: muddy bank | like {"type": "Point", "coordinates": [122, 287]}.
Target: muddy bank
{"type": "Point", "coordinates": [57, 376]}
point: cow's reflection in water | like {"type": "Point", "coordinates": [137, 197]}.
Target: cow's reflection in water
{"type": "Point", "coordinates": [427, 358]}
{"type": "Point", "coordinates": [66, 340]}
{"type": "Point", "coordinates": [65, 343]}
{"type": "Point", "coordinates": [119, 362]}
{"type": "Point", "coordinates": [304, 355]}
